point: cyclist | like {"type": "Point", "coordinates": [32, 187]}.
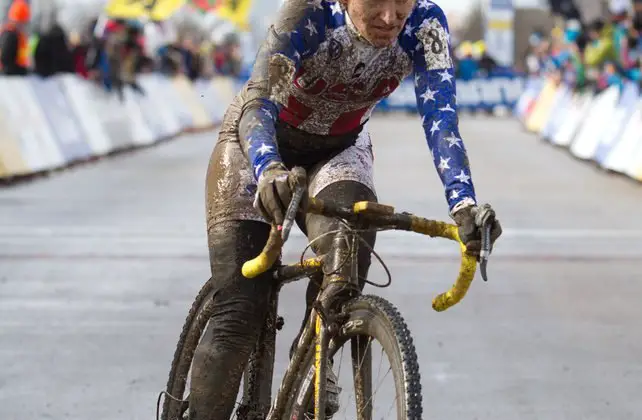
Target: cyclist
{"type": "Point", "coordinates": [321, 70]}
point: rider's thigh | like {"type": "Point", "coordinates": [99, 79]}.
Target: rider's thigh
{"type": "Point", "coordinates": [344, 192]}
{"type": "Point", "coordinates": [240, 307]}
{"type": "Point", "coordinates": [353, 164]}
{"type": "Point", "coordinates": [345, 178]}
{"type": "Point", "coordinates": [230, 184]}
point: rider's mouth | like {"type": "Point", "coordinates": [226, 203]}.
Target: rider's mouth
{"type": "Point", "coordinates": [385, 31]}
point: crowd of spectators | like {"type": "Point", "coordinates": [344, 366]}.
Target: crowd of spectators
{"type": "Point", "coordinates": [473, 60]}
{"type": "Point", "coordinates": [109, 52]}
{"type": "Point", "coordinates": [595, 55]}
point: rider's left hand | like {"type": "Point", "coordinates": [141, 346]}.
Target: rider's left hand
{"type": "Point", "coordinates": [470, 232]}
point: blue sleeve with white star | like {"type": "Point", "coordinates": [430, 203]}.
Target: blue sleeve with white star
{"type": "Point", "coordinates": [298, 31]}
{"type": "Point", "coordinates": [427, 40]}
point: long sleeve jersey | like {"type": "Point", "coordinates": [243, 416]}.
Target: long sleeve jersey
{"type": "Point", "coordinates": [315, 72]}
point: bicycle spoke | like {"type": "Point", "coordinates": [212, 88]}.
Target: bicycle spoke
{"type": "Point", "coordinates": [362, 378]}
{"type": "Point", "coordinates": [370, 391]}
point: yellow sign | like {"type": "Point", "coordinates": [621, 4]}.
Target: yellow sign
{"type": "Point", "coordinates": [132, 9]}
{"type": "Point", "coordinates": [500, 24]}
{"type": "Point", "coordinates": [236, 11]}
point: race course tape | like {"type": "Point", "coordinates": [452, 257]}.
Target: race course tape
{"type": "Point", "coordinates": [52, 123]}
{"type": "Point", "coordinates": [604, 128]}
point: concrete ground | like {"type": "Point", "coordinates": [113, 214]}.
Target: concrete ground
{"type": "Point", "coordinates": [99, 265]}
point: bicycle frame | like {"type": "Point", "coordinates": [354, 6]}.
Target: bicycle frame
{"type": "Point", "coordinates": [325, 319]}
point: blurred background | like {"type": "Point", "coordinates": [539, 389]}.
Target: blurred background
{"type": "Point", "coordinates": [586, 40]}
{"type": "Point", "coordinates": [103, 246]}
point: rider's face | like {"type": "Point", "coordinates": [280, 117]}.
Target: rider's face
{"type": "Point", "coordinates": [379, 21]}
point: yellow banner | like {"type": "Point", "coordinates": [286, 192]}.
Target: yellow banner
{"type": "Point", "coordinates": [236, 11]}
{"type": "Point", "coordinates": [133, 9]}
{"type": "Point", "coordinates": [500, 25]}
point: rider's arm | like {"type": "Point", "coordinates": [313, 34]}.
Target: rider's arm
{"type": "Point", "coordinates": [435, 90]}
{"type": "Point", "coordinates": [296, 34]}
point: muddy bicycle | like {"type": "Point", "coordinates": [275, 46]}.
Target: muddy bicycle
{"type": "Point", "coordinates": [340, 314]}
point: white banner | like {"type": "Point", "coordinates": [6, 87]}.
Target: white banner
{"type": "Point", "coordinates": [499, 32]}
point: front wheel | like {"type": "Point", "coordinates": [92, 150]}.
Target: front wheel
{"type": "Point", "coordinates": [370, 319]}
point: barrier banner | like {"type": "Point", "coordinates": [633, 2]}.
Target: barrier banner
{"type": "Point", "coordinates": [63, 122]}
{"type": "Point", "coordinates": [11, 161]}
{"type": "Point", "coordinates": [47, 123]}
{"type": "Point", "coordinates": [620, 158]}
{"type": "Point", "coordinates": [224, 90]}
{"type": "Point", "coordinates": [157, 106]}
{"type": "Point", "coordinates": [542, 107]}
{"type": "Point", "coordinates": [79, 96]}
{"type": "Point", "coordinates": [481, 93]}
{"type": "Point", "coordinates": [141, 133]}
{"type": "Point", "coordinates": [173, 100]}
{"type": "Point", "coordinates": [113, 117]}
{"type": "Point", "coordinates": [626, 106]}
{"type": "Point", "coordinates": [152, 115]}
{"type": "Point", "coordinates": [28, 126]}
{"type": "Point", "coordinates": [527, 99]}
{"type": "Point", "coordinates": [634, 168]}
{"type": "Point", "coordinates": [595, 124]}
{"type": "Point", "coordinates": [205, 92]}
{"type": "Point", "coordinates": [487, 93]}
{"type": "Point", "coordinates": [559, 109]}
{"type": "Point", "coordinates": [402, 99]}
{"type": "Point", "coordinates": [189, 98]}
{"type": "Point", "coordinates": [579, 107]}
{"type": "Point", "coordinates": [215, 108]}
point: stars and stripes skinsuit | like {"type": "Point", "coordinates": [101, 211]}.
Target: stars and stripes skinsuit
{"type": "Point", "coordinates": [314, 86]}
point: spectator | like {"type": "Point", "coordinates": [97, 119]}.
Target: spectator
{"type": "Point", "coordinates": [79, 46]}
{"type": "Point", "coordinates": [191, 59]}
{"type": "Point", "coordinates": [171, 59]}
{"type": "Point", "coordinates": [14, 41]}
{"type": "Point", "coordinates": [121, 51]}
{"type": "Point", "coordinates": [227, 56]}
{"type": "Point", "coordinates": [536, 55]}
{"type": "Point", "coordinates": [53, 55]}
{"type": "Point", "coordinates": [467, 66]}
{"type": "Point", "coordinates": [486, 63]}
{"type": "Point", "coordinates": [600, 48]}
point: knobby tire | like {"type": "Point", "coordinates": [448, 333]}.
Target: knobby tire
{"type": "Point", "coordinates": [380, 320]}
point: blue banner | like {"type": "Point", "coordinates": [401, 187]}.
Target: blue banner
{"type": "Point", "coordinates": [484, 92]}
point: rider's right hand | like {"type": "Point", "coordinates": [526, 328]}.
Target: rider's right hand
{"type": "Point", "coordinates": [274, 193]}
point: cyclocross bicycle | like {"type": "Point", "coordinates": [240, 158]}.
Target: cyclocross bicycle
{"type": "Point", "coordinates": [341, 314]}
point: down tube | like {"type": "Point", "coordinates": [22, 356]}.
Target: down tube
{"type": "Point", "coordinates": [320, 366]}
{"type": "Point", "coordinates": [303, 349]}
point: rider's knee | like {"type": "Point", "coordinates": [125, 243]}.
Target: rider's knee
{"type": "Point", "coordinates": [346, 193]}
{"type": "Point", "coordinates": [340, 192]}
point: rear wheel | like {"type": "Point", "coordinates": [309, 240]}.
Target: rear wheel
{"type": "Point", "coordinates": [256, 378]}
{"type": "Point", "coordinates": [371, 319]}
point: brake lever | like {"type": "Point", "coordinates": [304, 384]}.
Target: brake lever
{"type": "Point", "coordinates": [485, 219]}
{"type": "Point", "coordinates": [298, 183]}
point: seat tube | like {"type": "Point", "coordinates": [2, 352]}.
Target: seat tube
{"type": "Point", "coordinates": [340, 264]}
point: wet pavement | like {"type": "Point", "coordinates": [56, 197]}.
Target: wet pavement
{"type": "Point", "coordinates": [99, 266]}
